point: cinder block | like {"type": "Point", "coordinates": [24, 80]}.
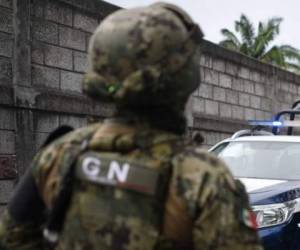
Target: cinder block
{"type": "Point", "coordinates": [210, 138]}
{"type": "Point", "coordinates": [249, 87]}
{"type": "Point", "coordinates": [37, 53]}
{"type": "Point", "coordinates": [237, 112]}
{"type": "Point", "coordinates": [45, 31]}
{"type": "Point", "coordinates": [259, 89]}
{"type": "Point", "coordinates": [293, 88]}
{"type": "Point", "coordinates": [284, 106]}
{"type": "Point", "coordinates": [40, 139]}
{"type": "Point", "coordinates": [295, 97]}
{"type": "Point", "coordinates": [225, 110]}
{"type": "Point", "coordinates": [219, 94]}
{"type": "Point", "coordinates": [237, 84]}
{"type": "Point", "coordinates": [232, 96]}
{"type": "Point", "coordinates": [80, 61]}
{"type": "Point", "coordinates": [255, 102]}
{"type": "Point", "coordinates": [255, 76]}
{"type": "Point", "coordinates": [206, 61]}
{"type": "Point", "coordinates": [6, 20]}
{"type": "Point", "coordinates": [223, 136]}
{"type": "Point", "coordinates": [72, 38]}
{"type": "Point", "coordinates": [45, 76]}
{"type": "Point", "coordinates": [249, 114]}
{"type": "Point", "coordinates": [266, 104]}
{"type": "Point", "coordinates": [272, 80]}
{"type": "Point", "coordinates": [284, 86]}
{"type": "Point", "coordinates": [188, 112]}
{"type": "Point", "coordinates": [289, 98]}
{"type": "Point", "coordinates": [73, 121]}
{"type": "Point", "coordinates": [280, 96]}
{"type": "Point", "coordinates": [85, 23]}
{"type": "Point", "coordinates": [211, 107]}
{"type": "Point", "coordinates": [5, 69]}
{"type": "Point", "coordinates": [263, 79]}
{"type": "Point", "coordinates": [198, 105]}
{"type": "Point", "coordinates": [6, 189]}
{"type": "Point", "coordinates": [244, 99]}
{"type": "Point", "coordinates": [37, 8]}
{"type": "Point", "coordinates": [244, 73]}
{"type": "Point", "coordinates": [88, 38]}
{"type": "Point", "coordinates": [71, 81]}
{"type": "Point", "coordinates": [46, 123]}
{"type": "Point", "coordinates": [225, 80]}
{"type": "Point", "coordinates": [219, 65]}
{"type": "Point", "coordinates": [7, 142]}
{"type": "Point", "coordinates": [268, 115]}
{"type": "Point", "coordinates": [202, 74]}
{"type": "Point", "coordinates": [6, 45]}
{"type": "Point", "coordinates": [205, 90]}
{"type": "Point", "coordinates": [231, 69]}
{"type": "Point", "coordinates": [58, 57]}
{"type": "Point", "coordinates": [58, 13]}
{"type": "Point", "coordinates": [259, 115]}
{"type": "Point", "coordinates": [6, 3]}
{"type": "Point", "coordinates": [7, 119]}
{"type": "Point", "coordinates": [211, 76]}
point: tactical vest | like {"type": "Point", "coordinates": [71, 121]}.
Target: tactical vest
{"type": "Point", "coordinates": [119, 189]}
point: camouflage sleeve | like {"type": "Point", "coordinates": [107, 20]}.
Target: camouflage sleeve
{"type": "Point", "coordinates": [22, 222]}
{"type": "Point", "coordinates": [19, 236]}
{"type": "Point", "coordinates": [217, 204]}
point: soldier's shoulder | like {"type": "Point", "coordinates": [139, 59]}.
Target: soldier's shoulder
{"type": "Point", "coordinates": [78, 135]}
{"type": "Point", "coordinates": [199, 176]}
{"type": "Point", "coordinates": [198, 159]}
{"type": "Point", "coordinates": [47, 157]}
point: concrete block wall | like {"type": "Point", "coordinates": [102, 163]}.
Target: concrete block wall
{"type": "Point", "coordinates": [60, 35]}
{"type": "Point", "coordinates": [7, 128]}
{"type": "Point", "coordinates": [235, 88]}
{"type": "Point", "coordinates": [43, 50]}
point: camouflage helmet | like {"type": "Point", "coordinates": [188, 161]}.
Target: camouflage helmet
{"type": "Point", "coordinates": [144, 57]}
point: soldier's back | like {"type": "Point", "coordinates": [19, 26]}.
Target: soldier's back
{"type": "Point", "coordinates": [138, 188]}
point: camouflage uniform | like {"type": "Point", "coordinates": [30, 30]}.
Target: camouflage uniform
{"type": "Point", "coordinates": [136, 184]}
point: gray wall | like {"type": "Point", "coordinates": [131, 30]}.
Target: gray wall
{"type": "Point", "coordinates": [43, 48]}
{"type": "Point", "coordinates": [235, 88]}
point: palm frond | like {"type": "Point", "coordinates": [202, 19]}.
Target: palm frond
{"type": "Point", "coordinates": [245, 49]}
{"type": "Point", "coordinates": [274, 56]}
{"type": "Point", "coordinates": [230, 36]}
{"type": "Point", "coordinates": [246, 29]}
{"type": "Point", "coordinates": [257, 44]}
{"type": "Point", "coordinates": [275, 22]}
{"type": "Point", "coordinates": [266, 34]}
{"type": "Point", "coordinates": [290, 52]}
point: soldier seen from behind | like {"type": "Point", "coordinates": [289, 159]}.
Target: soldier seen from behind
{"type": "Point", "coordinates": [132, 182]}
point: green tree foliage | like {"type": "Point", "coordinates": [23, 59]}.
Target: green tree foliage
{"type": "Point", "coordinates": [257, 44]}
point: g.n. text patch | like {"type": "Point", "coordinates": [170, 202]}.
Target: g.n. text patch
{"type": "Point", "coordinates": [105, 171]}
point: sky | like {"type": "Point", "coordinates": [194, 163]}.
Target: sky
{"type": "Point", "coordinates": [213, 15]}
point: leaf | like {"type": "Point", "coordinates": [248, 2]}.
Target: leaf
{"type": "Point", "coordinates": [256, 44]}
{"type": "Point", "coordinates": [246, 29]}
{"type": "Point", "coordinates": [274, 56]}
{"type": "Point", "coordinates": [230, 36]}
